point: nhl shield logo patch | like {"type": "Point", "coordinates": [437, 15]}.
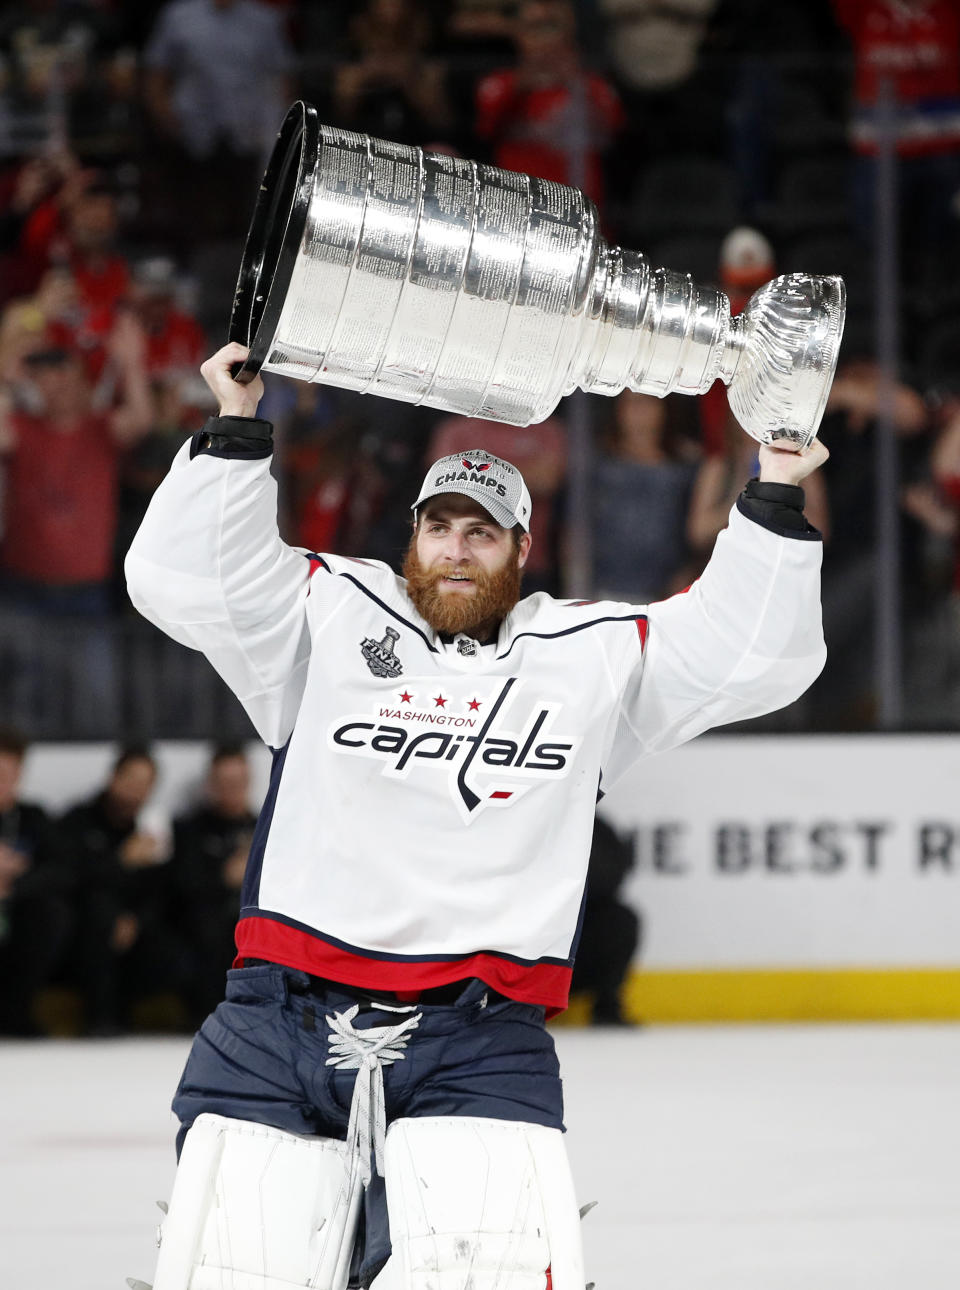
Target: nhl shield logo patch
{"type": "Point", "coordinates": [380, 656]}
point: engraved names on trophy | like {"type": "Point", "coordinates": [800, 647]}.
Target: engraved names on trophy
{"type": "Point", "coordinates": [434, 279]}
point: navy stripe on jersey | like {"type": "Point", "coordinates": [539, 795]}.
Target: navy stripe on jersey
{"type": "Point", "coordinates": [251, 877]}
{"type": "Point", "coordinates": [575, 943]}
{"type": "Point", "coordinates": [316, 560]}
{"type": "Point", "coordinates": [580, 627]}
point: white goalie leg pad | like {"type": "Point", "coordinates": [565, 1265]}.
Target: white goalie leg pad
{"type": "Point", "coordinates": [479, 1204]}
{"type": "Point", "coordinates": [255, 1208]}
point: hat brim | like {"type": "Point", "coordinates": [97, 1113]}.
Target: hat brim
{"type": "Point", "coordinates": [499, 513]}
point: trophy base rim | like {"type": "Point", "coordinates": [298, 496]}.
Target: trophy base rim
{"type": "Point", "coordinates": [273, 240]}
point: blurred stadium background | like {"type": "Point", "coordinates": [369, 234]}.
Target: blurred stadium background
{"type": "Point", "coordinates": [804, 867]}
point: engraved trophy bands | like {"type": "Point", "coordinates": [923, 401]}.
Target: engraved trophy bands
{"type": "Point", "coordinates": [418, 276]}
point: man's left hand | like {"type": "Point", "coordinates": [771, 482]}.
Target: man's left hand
{"type": "Point", "coordinates": [783, 466]}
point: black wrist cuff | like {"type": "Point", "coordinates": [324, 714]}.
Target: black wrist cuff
{"type": "Point", "coordinates": [247, 438]}
{"type": "Point", "coordinates": [791, 495]}
{"type": "Point", "coordinates": [777, 507]}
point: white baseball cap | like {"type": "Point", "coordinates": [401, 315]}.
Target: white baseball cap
{"type": "Point", "coordinates": [746, 253]}
{"type": "Point", "coordinates": [489, 480]}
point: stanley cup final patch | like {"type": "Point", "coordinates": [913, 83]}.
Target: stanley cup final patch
{"type": "Point", "coordinates": [380, 656]}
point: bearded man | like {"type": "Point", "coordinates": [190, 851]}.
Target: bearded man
{"type": "Point", "coordinates": [378, 1096]}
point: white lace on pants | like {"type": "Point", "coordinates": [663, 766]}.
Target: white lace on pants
{"type": "Point", "coordinates": [367, 1052]}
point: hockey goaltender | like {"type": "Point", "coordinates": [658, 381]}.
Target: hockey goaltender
{"type": "Point", "coordinates": [378, 1097]}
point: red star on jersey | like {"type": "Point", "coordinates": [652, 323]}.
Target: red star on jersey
{"type": "Point", "coordinates": [440, 701]}
{"type": "Point", "coordinates": [473, 705]}
{"type": "Point", "coordinates": [405, 698]}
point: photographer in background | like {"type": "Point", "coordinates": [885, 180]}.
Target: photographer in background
{"type": "Point", "coordinates": [123, 949]}
{"type": "Point", "coordinates": [210, 850]}
{"type": "Point", "coordinates": [611, 928]}
{"type": "Point", "coordinates": [35, 895]}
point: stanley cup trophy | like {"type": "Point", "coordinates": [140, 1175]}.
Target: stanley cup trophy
{"type": "Point", "coordinates": [418, 276]}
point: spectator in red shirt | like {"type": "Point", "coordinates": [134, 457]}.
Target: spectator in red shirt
{"type": "Point", "coordinates": [22, 190]}
{"type": "Point", "coordinates": [915, 45]}
{"type": "Point", "coordinates": [175, 342]}
{"type": "Point", "coordinates": [55, 317]}
{"type": "Point", "coordinates": [912, 46]}
{"type": "Point", "coordinates": [531, 114]}
{"type": "Point", "coordinates": [60, 510]}
{"type": "Point", "coordinates": [61, 471]}
{"type": "Point", "coordinates": [73, 234]}
{"type": "Point", "coordinates": [79, 227]}
{"type": "Point", "coordinates": [62, 315]}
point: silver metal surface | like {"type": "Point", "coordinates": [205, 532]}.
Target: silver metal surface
{"type": "Point", "coordinates": [384, 269]}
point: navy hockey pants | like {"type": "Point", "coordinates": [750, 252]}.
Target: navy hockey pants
{"type": "Point", "coordinates": [262, 1056]}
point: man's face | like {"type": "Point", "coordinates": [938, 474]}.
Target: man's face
{"type": "Point", "coordinates": [462, 568]}
{"type": "Point", "coordinates": [61, 387]}
{"type": "Point", "coordinates": [544, 32]}
{"type": "Point", "coordinates": [229, 786]}
{"type": "Point", "coordinates": [153, 308]}
{"type": "Point", "coordinates": [93, 221]}
{"type": "Point", "coordinates": [131, 786]}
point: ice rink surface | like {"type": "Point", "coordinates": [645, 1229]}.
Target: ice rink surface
{"type": "Point", "coordinates": [734, 1158]}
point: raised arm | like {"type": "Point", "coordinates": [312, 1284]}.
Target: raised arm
{"type": "Point", "coordinates": [208, 567]}
{"type": "Point", "coordinates": [127, 348]}
{"type": "Point", "coordinates": [746, 638]}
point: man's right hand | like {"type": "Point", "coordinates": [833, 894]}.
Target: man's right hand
{"type": "Point", "coordinates": [235, 400]}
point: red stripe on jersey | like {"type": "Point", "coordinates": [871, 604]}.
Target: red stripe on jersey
{"type": "Point", "coordinates": [314, 566]}
{"type": "Point", "coordinates": [642, 628]}
{"type": "Point", "coordinates": [546, 984]}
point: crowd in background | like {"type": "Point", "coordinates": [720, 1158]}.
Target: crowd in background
{"type": "Point", "coordinates": [112, 905]}
{"type": "Point", "coordinates": [727, 138]}
{"type": "Point", "coordinates": [732, 139]}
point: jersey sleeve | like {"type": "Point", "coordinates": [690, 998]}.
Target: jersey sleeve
{"type": "Point", "coordinates": [208, 567]}
{"type": "Point", "coordinates": [745, 639]}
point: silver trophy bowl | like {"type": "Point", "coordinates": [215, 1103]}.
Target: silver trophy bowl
{"type": "Point", "coordinates": [384, 269]}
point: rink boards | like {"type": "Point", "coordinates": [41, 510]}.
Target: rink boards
{"type": "Point", "coordinates": [807, 877]}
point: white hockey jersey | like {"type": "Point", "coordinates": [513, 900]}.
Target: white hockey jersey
{"type": "Point", "coordinates": [431, 805]}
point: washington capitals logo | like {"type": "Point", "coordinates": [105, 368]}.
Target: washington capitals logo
{"type": "Point", "coordinates": [381, 660]}
{"type": "Point", "coordinates": [487, 760]}
{"type": "Point", "coordinates": [475, 465]}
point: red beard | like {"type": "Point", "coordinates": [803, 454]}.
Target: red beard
{"type": "Point", "coordinates": [451, 612]}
